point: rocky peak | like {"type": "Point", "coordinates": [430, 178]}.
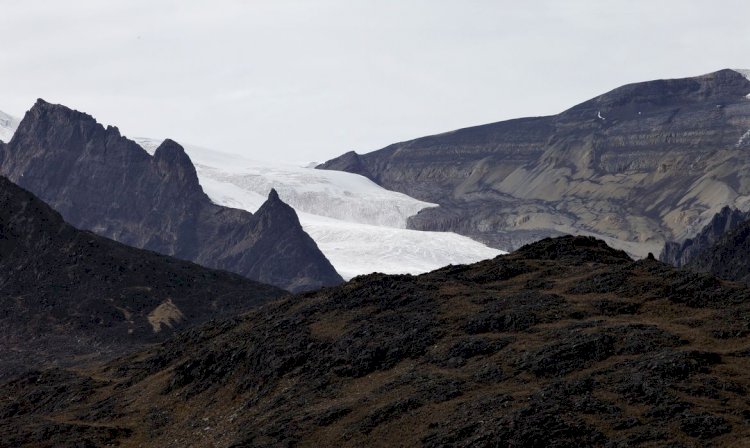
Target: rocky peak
{"type": "Point", "coordinates": [275, 212]}
{"type": "Point", "coordinates": [172, 161]}
{"type": "Point", "coordinates": [349, 161]}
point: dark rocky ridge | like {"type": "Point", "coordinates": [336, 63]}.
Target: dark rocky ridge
{"type": "Point", "coordinates": [664, 157]}
{"type": "Point", "coordinates": [69, 296]}
{"type": "Point", "coordinates": [564, 343]}
{"type": "Point", "coordinates": [103, 182]}
{"type": "Point", "coordinates": [728, 257]}
{"type": "Point", "coordinates": [680, 254]}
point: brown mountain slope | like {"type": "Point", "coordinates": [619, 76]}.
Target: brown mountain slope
{"type": "Point", "coordinates": [67, 295]}
{"type": "Point", "coordinates": [101, 181]}
{"type": "Point", "coordinates": [564, 343]}
{"type": "Point", "coordinates": [640, 165]}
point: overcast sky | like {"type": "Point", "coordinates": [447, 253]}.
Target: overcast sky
{"type": "Point", "coordinates": [306, 80]}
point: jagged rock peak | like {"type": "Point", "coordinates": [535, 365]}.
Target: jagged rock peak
{"type": "Point", "coordinates": [171, 157]}
{"type": "Point", "coordinates": [43, 107]}
{"type": "Point", "coordinates": [273, 195]}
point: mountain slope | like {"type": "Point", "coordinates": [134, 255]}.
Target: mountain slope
{"type": "Point", "coordinates": [358, 225]}
{"type": "Point", "coordinates": [640, 165]}
{"type": "Point", "coordinates": [67, 295]}
{"type": "Point", "coordinates": [103, 182]}
{"type": "Point", "coordinates": [563, 343]}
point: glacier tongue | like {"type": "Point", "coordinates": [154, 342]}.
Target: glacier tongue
{"type": "Point", "coordinates": [355, 248]}
{"type": "Point", "coordinates": [357, 224]}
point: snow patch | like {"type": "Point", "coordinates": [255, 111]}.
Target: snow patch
{"type": "Point", "coordinates": [599, 115]}
{"type": "Point", "coordinates": [8, 126]}
{"type": "Point", "coordinates": [742, 139]}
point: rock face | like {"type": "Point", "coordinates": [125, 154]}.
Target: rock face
{"type": "Point", "coordinates": [637, 166]}
{"type": "Point", "coordinates": [680, 254]}
{"type": "Point", "coordinates": [67, 295]}
{"type": "Point", "coordinates": [728, 257]}
{"type": "Point", "coordinates": [103, 182]}
{"type": "Point", "coordinates": [564, 343]}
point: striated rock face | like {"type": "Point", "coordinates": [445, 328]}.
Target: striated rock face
{"type": "Point", "coordinates": [680, 254]}
{"type": "Point", "coordinates": [637, 166]}
{"type": "Point", "coordinates": [565, 343]}
{"type": "Point", "coordinates": [67, 295]}
{"type": "Point", "coordinates": [103, 182]}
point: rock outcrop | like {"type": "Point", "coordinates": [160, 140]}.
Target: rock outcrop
{"type": "Point", "coordinates": [565, 343]}
{"type": "Point", "coordinates": [728, 257]}
{"type": "Point", "coordinates": [101, 181]}
{"type": "Point", "coordinates": [680, 254]}
{"type": "Point", "coordinates": [640, 165]}
{"type": "Point", "coordinates": [67, 296]}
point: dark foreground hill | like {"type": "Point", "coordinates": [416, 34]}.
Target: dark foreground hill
{"type": "Point", "coordinates": [101, 181]}
{"type": "Point", "coordinates": [67, 296]}
{"type": "Point", "coordinates": [640, 165]}
{"type": "Point", "coordinates": [564, 343]}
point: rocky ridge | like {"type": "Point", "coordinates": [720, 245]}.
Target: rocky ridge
{"type": "Point", "coordinates": [566, 342]}
{"type": "Point", "coordinates": [101, 181]}
{"type": "Point", "coordinates": [643, 164]}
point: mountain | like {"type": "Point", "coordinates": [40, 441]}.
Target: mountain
{"type": "Point", "coordinates": [643, 164]}
{"type": "Point", "coordinates": [565, 343]}
{"type": "Point", "coordinates": [680, 254]}
{"type": "Point", "coordinates": [67, 296]}
{"type": "Point", "coordinates": [101, 181]}
{"type": "Point", "coordinates": [357, 224]}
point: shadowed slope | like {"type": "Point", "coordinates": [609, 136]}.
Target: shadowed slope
{"type": "Point", "coordinates": [67, 295]}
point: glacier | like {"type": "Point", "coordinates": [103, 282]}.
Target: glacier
{"type": "Point", "coordinates": [358, 225]}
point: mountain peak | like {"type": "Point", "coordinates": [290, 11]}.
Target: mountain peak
{"type": "Point", "coordinates": [273, 195]}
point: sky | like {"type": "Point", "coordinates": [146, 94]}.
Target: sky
{"type": "Point", "coordinates": [307, 80]}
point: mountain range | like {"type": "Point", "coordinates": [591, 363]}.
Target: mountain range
{"type": "Point", "coordinates": [100, 181]}
{"type": "Point", "coordinates": [567, 341]}
{"type": "Point", "coordinates": [638, 166]}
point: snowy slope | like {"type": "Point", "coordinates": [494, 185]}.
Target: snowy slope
{"type": "Point", "coordinates": [356, 223]}
{"type": "Point", "coordinates": [8, 125]}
